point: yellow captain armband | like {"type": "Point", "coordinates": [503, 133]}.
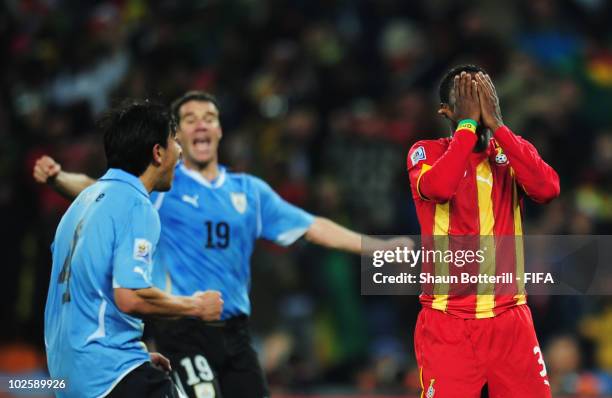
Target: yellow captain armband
{"type": "Point", "coordinates": [467, 124]}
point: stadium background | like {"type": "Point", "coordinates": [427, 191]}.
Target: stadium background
{"type": "Point", "coordinates": [322, 99]}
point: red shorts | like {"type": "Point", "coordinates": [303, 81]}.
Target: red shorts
{"type": "Point", "coordinates": [457, 356]}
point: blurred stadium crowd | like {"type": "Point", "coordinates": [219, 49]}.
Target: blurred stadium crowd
{"type": "Point", "coordinates": [322, 99]}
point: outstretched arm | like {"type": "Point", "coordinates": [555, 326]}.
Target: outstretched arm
{"type": "Point", "coordinates": [327, 233]}
{"type": "Point", "coordinates": [48, 171]}
{"type": "Point", "coordinates": [284, 223]}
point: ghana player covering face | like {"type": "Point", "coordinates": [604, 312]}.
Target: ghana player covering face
{"type": "Point", "coordinates": [468, 190]}
{"type": "Point", "coordinates": [465, 84]}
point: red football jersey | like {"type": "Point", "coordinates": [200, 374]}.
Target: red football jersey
{"type": "Point", "coordinates": [460, 194]}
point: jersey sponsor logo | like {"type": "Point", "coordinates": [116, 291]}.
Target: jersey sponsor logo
{"type": "Point", "coordinates": [142, 250]}
{"type": "Point", "coordinates": [239, 201]}
{"type": "Point", "coordinates": [418, 155]}
{"type": "Point", "coordinates": [192, 200]}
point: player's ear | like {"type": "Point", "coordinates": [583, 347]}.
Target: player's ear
{"type": "Point", "coordinates": [445, 111]}
{"type": "Point", "coordinates": [158, 154]}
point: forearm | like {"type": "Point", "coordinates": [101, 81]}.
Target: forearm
{"type": "Point", "coordinates": [537, 178]}
{"type": "Point", "coordinates": [439, 183]}
{"type": "Point", "coordinates": [152, 302]}
{"type": "Point", "coordinates": [70, 184]}
{"type": "Point", "coordinates": [327, 233]}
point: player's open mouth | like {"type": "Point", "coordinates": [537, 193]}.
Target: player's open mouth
{"type": "Point", "coordinates": [202, 144]}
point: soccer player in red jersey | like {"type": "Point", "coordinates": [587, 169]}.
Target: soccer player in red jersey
{"type": "Point", "coordinates": [472, 185]}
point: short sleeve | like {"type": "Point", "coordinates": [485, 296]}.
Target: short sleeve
{"type": "Point", "coordinates": [136, 237]}
{"type": "Point", "coordinates": [280, 221]}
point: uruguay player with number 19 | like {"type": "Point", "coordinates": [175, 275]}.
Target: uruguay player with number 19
{"type": "Point", "coordinates": [213, 218]}
{"type": "Point", "coordinates": [210, 221]}
{"type": "Point", "coordinates": [101, 275]}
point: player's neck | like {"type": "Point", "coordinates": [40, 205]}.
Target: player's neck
{"type": "Point", "coordinates": [148, 180]}
{"type": "Point", "coordinates": [484, 137]}
{"type": "Point", "coordinates": [210, 170]}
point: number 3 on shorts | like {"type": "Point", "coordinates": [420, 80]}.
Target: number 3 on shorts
{"type": "Point", "coordinates": [537, 351]}
{"type": "Point", "coordinates": [200, 376]}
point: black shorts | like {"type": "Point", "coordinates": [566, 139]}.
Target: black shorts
{"type": "Point", "coordinates": [211, 359]}
{"type": "Point", "coordinates": [147, 382]}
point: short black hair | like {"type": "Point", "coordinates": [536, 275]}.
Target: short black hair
{"type": "Point", "coordinates": [131, 131]}
{"type": "Point", "coordinates": [447, 80]}
{"type": "Point", "coordinates": [194, 95]}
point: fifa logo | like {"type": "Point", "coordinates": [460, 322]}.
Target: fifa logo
{"type": "Point", "coordinates": [431, 390]}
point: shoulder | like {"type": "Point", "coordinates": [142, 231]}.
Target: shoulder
{"type": "Point", "coordinates": [138, 207]}
{"type": "Point", "coordinates": [118, 196]}
{"type": "Point", "coordinates": [423, 150]}
{"type": "Point", "coordinates": [127, 201]}
{"type": "Point", "coordinates": [122, 206]}
{"type": "Point", "coordinates": [247, 180]}
{"type": "Point", "coordinates": [255, 187]}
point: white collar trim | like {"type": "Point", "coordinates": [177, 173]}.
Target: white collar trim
{"type": "Point", "coordinates": [203, 181]}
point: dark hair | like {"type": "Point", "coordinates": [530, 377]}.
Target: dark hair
{"type": "Point", "coordinates": [132, 130]}
{"type": "Point", "coordinates": [447, 81]}
{"type": "Point", "coordinates": [194, 95]}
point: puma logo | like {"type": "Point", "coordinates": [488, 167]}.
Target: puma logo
{"type": "Point", "coordinates": [488, 181]}
{"type": "Point", "coordinates": [192, 200]}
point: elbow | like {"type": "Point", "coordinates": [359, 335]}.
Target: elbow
{"type": "Point", "coordinates": [548, 192]}
{"type": "Point", "coordinates": [432, 190]}
{"type": "Point", "coordinates": [313, 234]}
{"type": "Point", "coordinates": [440, 195]}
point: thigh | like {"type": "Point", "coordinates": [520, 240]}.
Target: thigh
{"type": "Point", "coordinates": [517, 368]}
{"type": "Point", "coordinates": [447, 364]}
{"type": "Point", "coordinates": [196, 353]}
{"type": "Point", "coordinates": [193, 374]}
{"type": "Point", "coordinates": [243, 376]}
{"type": "Point", "coordinates": [147, 382]}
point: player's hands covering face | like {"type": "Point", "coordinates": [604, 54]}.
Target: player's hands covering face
{"type": "Point", "coordinates": [489, 102]}
{"type": "Point", "coordinates": [467, 103]}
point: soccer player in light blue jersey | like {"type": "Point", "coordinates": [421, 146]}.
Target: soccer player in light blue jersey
{"type": "Point", "coordinates": [210, 220]}
{"type": "Point", "coordinates": [101, 283]}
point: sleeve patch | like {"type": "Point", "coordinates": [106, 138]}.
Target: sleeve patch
{"type": "Point", "coordinates": [418, 155]}
{"type": "Point", "coordinates": [142, 250]}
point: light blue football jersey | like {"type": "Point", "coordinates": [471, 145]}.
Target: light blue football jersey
{"type": "Point", "coordinates": [106, 239]}
{"type": "Point", "coordinates": [209, 230]}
